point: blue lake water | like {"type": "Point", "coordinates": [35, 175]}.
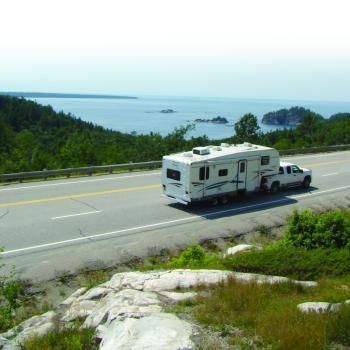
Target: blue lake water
{"type": "Point", "coordinates": [143, 115]}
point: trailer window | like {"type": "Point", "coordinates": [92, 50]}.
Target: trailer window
{"type": "Point", "coordinates": [203, 172]}
{"type": "Point", "coordinates": [265, 160]}
{"type": "Point", "coordinates": [173, 174]}
{"type": "Point", "coordinates": [242, 167]}
{"type": "Point", "coordinates": [223, 172]}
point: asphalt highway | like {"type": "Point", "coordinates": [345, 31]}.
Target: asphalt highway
{"type": "Point", "coordinates": [67, 224]}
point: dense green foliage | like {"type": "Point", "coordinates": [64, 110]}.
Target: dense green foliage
{"type": "Point", "coordinates": [327, 230]}
{"type": "Point", "coordinates": [315, 245]}
{"type": "Point", "coordinates": [35, 137]}
{"type": "Point", "coordinates": [292, 262]}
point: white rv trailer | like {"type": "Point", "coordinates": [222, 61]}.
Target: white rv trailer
{"type": "Point", "coordinates": [216, 173]}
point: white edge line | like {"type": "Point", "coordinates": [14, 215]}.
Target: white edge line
{"type": "Point", "coordinates": [330, 174]}
{"type": "Point", "coordinates": [309, 194]}
{"type": "Point", "coordinates": [79, 214]}
{"type": "Point", "coordinates": [77, 182]}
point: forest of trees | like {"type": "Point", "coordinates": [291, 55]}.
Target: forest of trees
{"type": "Point", "coordinates": [35, 137]}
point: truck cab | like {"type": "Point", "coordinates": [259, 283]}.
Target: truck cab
{"type": "Point", "coordinates": [289, 175]}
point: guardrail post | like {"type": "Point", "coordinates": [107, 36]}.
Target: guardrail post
{"type": "Point", "coordinates": [130, 169]}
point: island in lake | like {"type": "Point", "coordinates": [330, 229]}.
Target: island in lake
{"type": "Point", "coordinates": [216, 120]}
{"type": "Point", "coordinates": [61, 95]}
{"type": "Point", "coordinates": [286, 117]}
{"type": "Point", "coordinates": [167, 111]}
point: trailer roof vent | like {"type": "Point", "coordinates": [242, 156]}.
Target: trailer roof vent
{"type": "Point", "coordinates": [201, 150]}
{"type": "Point", "coordinates": [217, 148]}
{"type": "Point", "coordinates": [187, 154]}
{"type": "Point", "coordinates": [225, 145]}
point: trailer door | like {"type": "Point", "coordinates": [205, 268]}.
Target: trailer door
{"type": "Point", "coordinates": [242, 175]}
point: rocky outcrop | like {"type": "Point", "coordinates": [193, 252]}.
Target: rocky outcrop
{"type": "Point", "coordinates": [36, 326]}
{"type": "Point", "coordinates": [127, 311]}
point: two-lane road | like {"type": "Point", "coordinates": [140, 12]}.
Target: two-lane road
{"type": "Point", "coordinates": [67, 224]}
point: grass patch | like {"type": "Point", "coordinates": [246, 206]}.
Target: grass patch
{"type": "Point", "coordinates": [271, 312]}
{"type": "Point", "coordinates": [72, 339]}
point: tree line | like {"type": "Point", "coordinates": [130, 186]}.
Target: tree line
{"type": "Point", "coordinates": [35, 137]}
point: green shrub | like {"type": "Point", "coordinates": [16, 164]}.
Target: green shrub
{"type": "Point", "coordinates": [293, 262]}
{"type": "Point", "coordinates": [11, 289]}
{"type": "Point", "coordinates": [327, 230]}
{"type": "Point", "coordinates": [194, 256]}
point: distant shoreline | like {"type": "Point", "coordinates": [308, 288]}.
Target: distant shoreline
{"type": "Point", "coordinates": [62, 95]}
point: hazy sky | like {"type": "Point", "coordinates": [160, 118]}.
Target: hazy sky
{"type": "Point", "coordinates": [290, 49]}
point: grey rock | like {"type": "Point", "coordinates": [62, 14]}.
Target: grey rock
{"type": "Point", "coordinates": [175, 296]}
{"type": "Point", "coordinates": [238, 249]}
{"type": "Point", "coordinates": [317, 307]}
{"type": "Point", "coordinates": [36, 326]}
{"type": "Point", "coordinates": [159, 331]}
{"type": "Point", "coordinates": [94, 293]}
{"type": "Point", "coordinates": [120, 304]}
{"type": "Point", "coordinates": [79, 309]}
{"type": "Point", "coordinates": [71, 299]}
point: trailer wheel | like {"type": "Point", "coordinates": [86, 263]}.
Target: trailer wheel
{"type": "Point", "coordinates": [274, 188]}
{"type": "Point", "coordinates": [224, 200]}
{"type": "Point", "coordinates": [214, 202]}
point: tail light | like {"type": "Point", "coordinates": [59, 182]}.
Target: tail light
{"type": "Point", "coordinates": [263, 181]}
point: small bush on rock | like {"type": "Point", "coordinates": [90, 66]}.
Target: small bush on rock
{"type": "Point", "coordinates": [194, 257]}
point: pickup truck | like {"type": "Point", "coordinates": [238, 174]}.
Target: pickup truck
{"type": "Point", "coordinates": [289, 175]}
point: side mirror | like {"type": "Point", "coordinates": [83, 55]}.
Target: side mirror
{"type": "Point", "coordinates": [301, 171]}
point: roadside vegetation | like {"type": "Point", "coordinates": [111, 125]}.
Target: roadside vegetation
{"type": "Point", "coordinates": [35, 137]}
{"type": "Point", "coordinates": [249, 315]}
{"type": "Point", "coordinates": [11, 296]}
{"type": "Point", "coordinates": [315, 246]}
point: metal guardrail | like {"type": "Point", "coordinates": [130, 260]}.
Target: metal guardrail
{"type": "Point", "coordinates": [314, 149]}
{"type": "Point", "coordinates": [44, 174]}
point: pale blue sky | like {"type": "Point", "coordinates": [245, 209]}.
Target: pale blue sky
{"type": "Point", "coordinates": [284, 49]}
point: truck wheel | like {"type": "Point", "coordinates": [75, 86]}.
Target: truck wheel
{"type": "Point", "coordinates": [274, 188]}
{"type": "Point", "coordinates": [306, 182]}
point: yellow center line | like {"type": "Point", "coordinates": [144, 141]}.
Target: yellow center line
{"type": "Point", "coordinates": [315, 165]}
{"type": "Point", "coordinates": [90, 194]}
